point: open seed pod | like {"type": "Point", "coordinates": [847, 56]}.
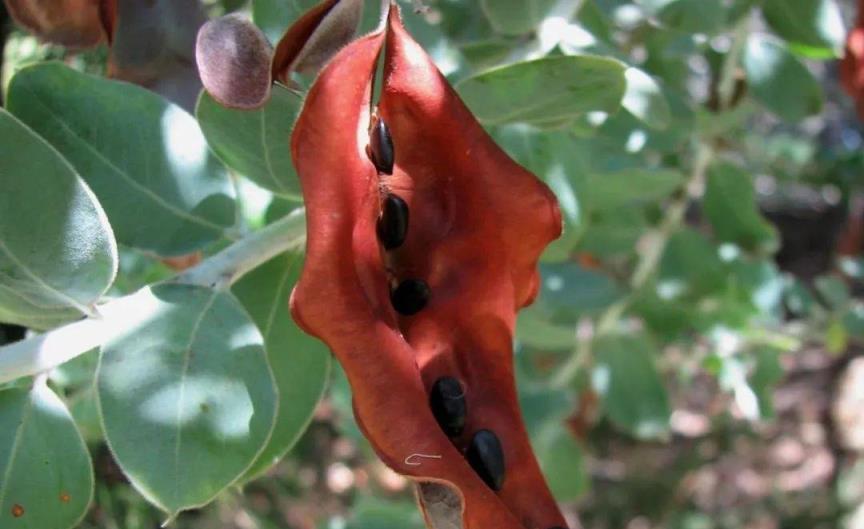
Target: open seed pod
{"type": "Point", "coordinates": [423, 241]}
{"type": "Point", "coordinates": [852, 64]}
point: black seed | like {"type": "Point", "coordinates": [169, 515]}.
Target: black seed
{"type": "Point", "coordinates": [410, 297]}
{"type": "Point", "coordinates": [393, 223]}
{"type": "Point", "coordinates": [381, 147]}
{"type": "Point", "coordinates": [11, 333]}
{"type": "Point", "coordinates": [447, 400]}
{"type": "Point", "coordinates": [486, 457]}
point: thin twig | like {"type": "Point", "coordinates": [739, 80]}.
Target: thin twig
{"type": "Point", "coordinates": [46, 351]}
{"type": "Point", "coordinates": [656, 241]}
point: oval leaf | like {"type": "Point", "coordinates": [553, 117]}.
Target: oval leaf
{"type": "Point", "coordinates": [46, 477]}
{"type": "Point", "coordinates": [545, 89]}
{"type": "Point", "coordinates": [186, 395]}
{"type": "Point", "coordinates": [625, 376]}
{"type": "Point", "coordinates": [57, 251]}
{"type": "Point", "coordinates": [626, 187]}
{"type": "Point", "coordinates": [255, 143]}
{"type": "Point", "coordinates": [146, 159]}
{"type": "Point", "coordinates": [274, 16]}
{"type": "Point", "coordinates": [811, 27]}
{"type": "Point", "coordinates": [563, 464]}
{"type": "Point", "coordinates": [730, 204]}
{"type": "Point", "coordinates": [779, 81]}
{"type": "Point", "coordinates": [644, 99]}
{"type": "Point", "coordinates": [301, 364]}
{"type": "Point", "coordinates": [516, 17]}
{"type": "Point", "coordinates": [693, 16]}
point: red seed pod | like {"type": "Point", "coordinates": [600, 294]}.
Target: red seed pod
{"type": "Point", "coordinates": [479, 222]}
{"type": "Point", "coordinates": [852, 64]}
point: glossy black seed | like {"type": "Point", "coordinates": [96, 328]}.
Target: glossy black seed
{"type": "Point", "coordinates": [393, 222]}
{"type": "Point", "coordinates": [447, 400]}
{"type": "Point", "coordinates": [11, 333]}
{"type": "Point", "coordinates": [381, 147]}
{"type": "Point", "coordinates": [410, 297]}
{"type": "Point", "coordinates": [486, 457]}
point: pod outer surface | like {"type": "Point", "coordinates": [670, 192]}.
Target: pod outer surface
{"type": "Point", "coordinates": [479, 222]}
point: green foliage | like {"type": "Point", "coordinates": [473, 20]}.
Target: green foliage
{"type": "Point", "coordinates": [570, 86]}
{"type": "Point", "coordinates": [812, 27]}
{"type": "Point", "coordinates": [677, 135]}
{"type": "Point", "coordinates": [730, 205]}
{"type": "Point", "coordinates": [632, 391]}
{"type": "Point", "coordinates": [47, 475]}
{"type": "Point", "coordinates": [186, 394]}
{"type": "Point", "coordinates": [301, 364]}
{"type": "Point", "coordinates": [779, 81]}
{"type": "Point", "coordinates": [145, 158]}
{"type": "Point", "coordinates": [253, 143]}
{"type": "Point", "coordinates": [55, 260]}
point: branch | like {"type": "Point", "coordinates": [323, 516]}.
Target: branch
{"type": "Point", "coordinates": [649, 260]}
{"type": "Point", "coordinates": [46, 351]}
{"type": "Point", "coordinates": [655, 243]}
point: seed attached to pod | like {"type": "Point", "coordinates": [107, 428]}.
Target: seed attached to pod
{"type": "Point", "coordinates": [381, 147]}
{"type": "Point", "coordinates": [410, 297]}
{"type": "Point", "coordinates": [447, 400]}
{"type": "Point", "coordinates": [486, 457]}
{"type": "Point", "coordinates": [392, 224]}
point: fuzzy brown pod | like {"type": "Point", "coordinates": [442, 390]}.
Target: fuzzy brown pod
{"type": "Point", "coordinates": [72, 23]}
{"type": "Point", "coordinates": [234, 59]}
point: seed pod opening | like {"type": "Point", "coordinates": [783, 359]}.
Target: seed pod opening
{"type": "Point", "coordinates": [479, 223]}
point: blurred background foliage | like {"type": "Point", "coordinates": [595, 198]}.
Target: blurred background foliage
{"type": "Point", "coordinates": [692, 361]}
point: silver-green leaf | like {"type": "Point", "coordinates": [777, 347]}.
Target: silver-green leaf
{"type": "Point", "coordinates": [301, 363]}
{"type": "Point", "coordinates": [542, 90]}
{"type": "Point", "coordinates": [46, 477]}
{"type": "Point", "coordinates": [255, 143]}
{"type": "Point", "coordinates": [145, 158]}
{"type": "Point", "coordinates": [57, 250]}
{"type": "Point", "coordinates": [187, 397]}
